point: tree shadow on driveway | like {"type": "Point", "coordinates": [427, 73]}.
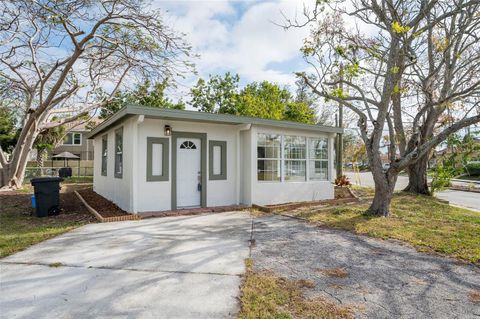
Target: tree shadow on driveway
{"type": "Point", "coordinates": [385, 279]}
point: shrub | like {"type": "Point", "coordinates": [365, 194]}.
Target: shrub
{"type": "Point", "coordinates": [441, 178]}
{"type": "Point", "coordinates": [342, 181]}
{"type": "Point", "coordinates": [473, 169]}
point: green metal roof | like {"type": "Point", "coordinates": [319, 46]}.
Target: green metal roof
{"type": "Point", "coordinates": [195, 116]}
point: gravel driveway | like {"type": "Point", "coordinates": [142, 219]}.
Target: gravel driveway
{"type": "Point", "coordinates": [383, 279]}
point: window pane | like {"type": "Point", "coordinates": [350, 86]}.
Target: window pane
{"type": "Point", "coordinates": [104, 155]}
{"type": "Point", "coordinates": [295, 147]}
{"type": "Point", "coordinates": [295, 170]}
{"type": "Point", "coordinates": [217, 160]}
{"type": "Point", "coordinates": [67, 139]}
{"type": "Point", "coordinates": [318, 170]}
{"type": "Point", "coordinates": [157, 158]}
{"type": "Point", "coordinates": [77, 139]}
{"type": "Point", "coordinates": [119, 153]}
{"type": "Point", "coordinates": [268, 146]}
{"type": "Point", "coordinates": [268, 170]}
{"type": "Point", "coordinates": [318, 148]}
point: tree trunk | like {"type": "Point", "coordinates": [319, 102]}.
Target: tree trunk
{"type": "Point", "coordinates": [13, 173]}
{"type": "Point", "coordinates": [41, 155]}
{"type": "Point", "coordinates": [417, 177]}
{"type": "Point", "coordinates": [384, 185]}
{"type": "Point", "coordinates": [381, 202]}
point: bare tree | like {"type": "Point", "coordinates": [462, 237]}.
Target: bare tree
{"type": "Point", "coordinates": [444, 84]}
{"type": "Point", "coordinates": [75, 55]}
{"type": "Point", "coordinates": [367, 72]}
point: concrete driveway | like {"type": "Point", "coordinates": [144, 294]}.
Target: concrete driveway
{"type": "Point", "coordinates": [177, 267]}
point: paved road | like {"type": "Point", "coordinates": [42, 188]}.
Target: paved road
{"type": "Point", "coordinates": [385, 279]}
{"type": "Point", "coordinates": [178, 267]}
{"type": "Point", "coordinates": [459, 198]}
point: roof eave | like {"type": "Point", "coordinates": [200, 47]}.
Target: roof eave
{"type": "Point", "coordinates": [205, 117]}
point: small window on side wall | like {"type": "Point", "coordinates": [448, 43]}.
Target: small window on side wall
{"type": "Point", "coordinates": [119, 153]}
{"type": "Point", "coordinates": [157, 159]}
{"type": "Point", "coordinates": [104, 154]}
{"type": "Point", "coordinates": [217, 151]}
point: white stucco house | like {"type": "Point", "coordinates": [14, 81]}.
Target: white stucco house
{"type": "Point", "coordinates": [150, 159]}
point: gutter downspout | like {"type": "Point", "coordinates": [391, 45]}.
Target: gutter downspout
{"type": "Point", "coordinates": [242, 127]}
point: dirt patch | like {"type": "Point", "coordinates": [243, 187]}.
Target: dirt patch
{"type": "Point", "coordinates": [334, 272]}
{"type": "Point", "coordinates": [102, 205]}
{"type": "Point", "coordinates": [474, 296]}
{"type": "Point", "coordinates": [72, 209]}
{"type": "Point", "coordinates": [306, 283]}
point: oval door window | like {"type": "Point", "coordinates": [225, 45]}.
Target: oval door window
{"type": "Point", "coordinates": [188, 145]}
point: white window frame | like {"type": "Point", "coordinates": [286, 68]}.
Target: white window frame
{"type": "Point", "coordinates": [285, 160]}
{"type": "Point", "coordinates": [325, 160]}
{"type": "Point", "coordinates": [280, 159]}
{"type": "Point", "coordinates": [308, 160]}
{"type": "Point", "coordinates": [73, 139]}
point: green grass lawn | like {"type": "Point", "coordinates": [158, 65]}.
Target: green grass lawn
{"type": "Point", "coordinates": [19, 229]}
{"type": "Point", "coordinates": [423, 221]}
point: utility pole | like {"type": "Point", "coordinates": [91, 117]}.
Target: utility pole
{"type": "Point", "coordinates": [340, 135]}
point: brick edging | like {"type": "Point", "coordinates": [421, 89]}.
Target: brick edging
{"type": "Point", "coordinates": [105, 219]}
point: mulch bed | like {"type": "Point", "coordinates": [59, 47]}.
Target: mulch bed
{"type": "Point", "coordinates": [102, 205]}
{"type": "Point", "coordinates": [192, 211]}
{"type": "Point", "coordinates": [71, 207]}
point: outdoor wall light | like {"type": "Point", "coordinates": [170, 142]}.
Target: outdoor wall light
{"type": "Point", "coordinates": [168, 130]}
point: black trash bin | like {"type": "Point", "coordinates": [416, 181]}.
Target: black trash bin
{"type": "Point", "coordinates": [47, 197]}
{"type": "Point", "coordinates": [65, 172]}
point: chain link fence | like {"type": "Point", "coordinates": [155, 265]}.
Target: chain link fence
{"type": "Point", "coordinates": [32, 172]}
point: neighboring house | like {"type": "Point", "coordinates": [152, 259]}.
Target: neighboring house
{"type": "Point", "coordinates": [151, 159]}
{"type": "Point", "coordinates": [76, 142]}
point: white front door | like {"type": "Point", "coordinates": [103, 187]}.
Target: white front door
{"type": "Point", "coordinates": [188, 172]}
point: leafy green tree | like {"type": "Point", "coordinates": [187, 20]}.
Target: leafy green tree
{"type": "Point", "coordinates": [8, 132]}
{"type": "Point", "coordinates": [47, 141]}
{"type": "Point", "coordinates": [264, 100]}
{"type": "Point", "coordinates": [144, 94]}
{"type": "Point", "coordinates": [220, 94]}
{"type": "Point", "coordinates": [217, 95]}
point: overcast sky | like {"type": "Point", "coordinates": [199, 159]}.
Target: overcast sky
{"type": "Point", "coordinates": [240, 37]}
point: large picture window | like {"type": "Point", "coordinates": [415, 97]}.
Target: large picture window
{"type": "Point", "coordinates": [269, 157]}
{"type": "Point", "coordinates": [104, 154]}
{"type": "Point", "coordinates": [119, 153]}
{"type": "Point", "coordinates": [318, 159]}
{"type": "Point", "coordinates": [291, 158]}
{"type": "Point", "coordinates": [295, 156]}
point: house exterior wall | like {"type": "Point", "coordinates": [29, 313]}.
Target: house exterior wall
{"type": "Point", "coordinates": [276, 192]}
{"type": "Point", "coordinates": [247, 152]}
{"type": "Point", "coordinates": [134, 193]}
{"type": "Point", "coordinates": [118, 190]}
{"type": "Point", "coordinates": [156, 196]}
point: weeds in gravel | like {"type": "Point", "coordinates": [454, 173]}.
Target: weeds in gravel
{"type": "Point", "coordinates": [266, 296]}
{"type": "Point", "coordinates": [334, 272]}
